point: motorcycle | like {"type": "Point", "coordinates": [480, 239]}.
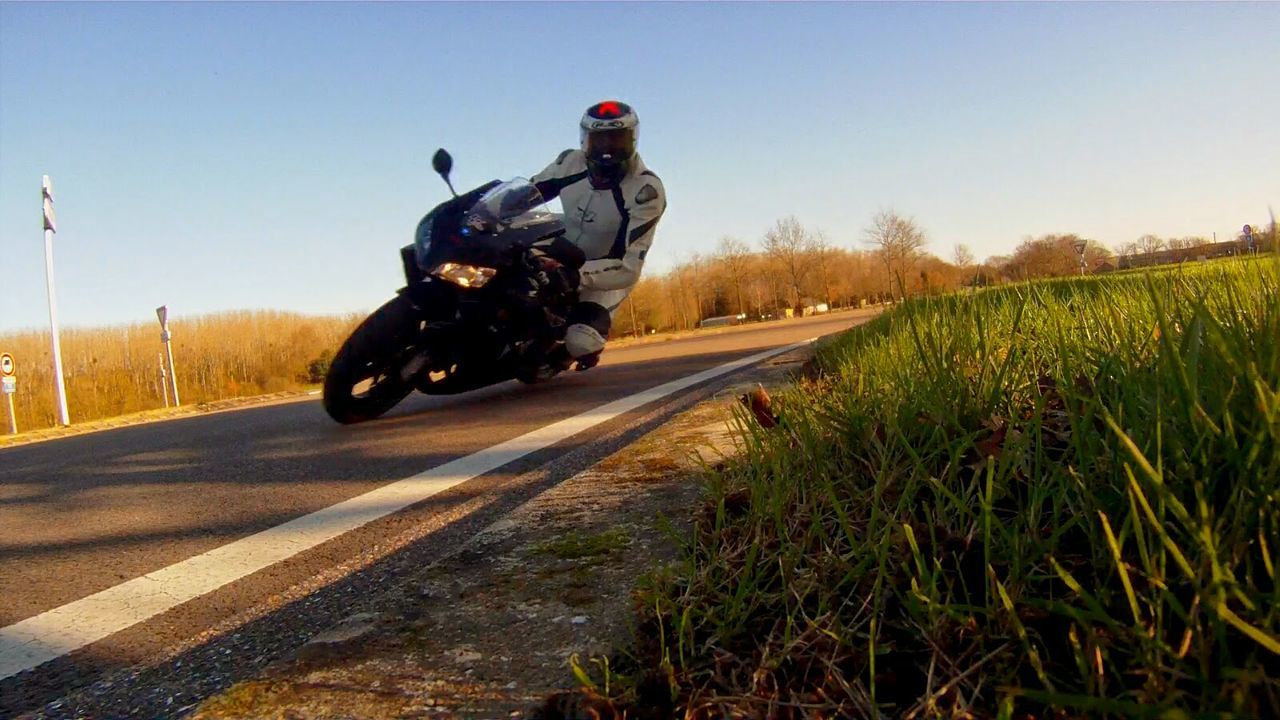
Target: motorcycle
{"type": "Point", "coordinates": [489, 280]}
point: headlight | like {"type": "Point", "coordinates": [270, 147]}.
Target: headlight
{"type": "Point", "coordinates": [468, 276]}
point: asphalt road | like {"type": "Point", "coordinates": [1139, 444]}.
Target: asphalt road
{"type": "Point", "coordinates": [84, 514]}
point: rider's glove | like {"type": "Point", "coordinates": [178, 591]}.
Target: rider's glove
{"type": "Point", "coordinates": [547, 276]}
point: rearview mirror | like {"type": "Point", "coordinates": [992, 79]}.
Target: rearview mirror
{"type": "Point", "coordinates": [442, 162]}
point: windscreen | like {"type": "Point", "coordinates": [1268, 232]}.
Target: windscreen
{"type": "Point", "coordinates": [514, 203]}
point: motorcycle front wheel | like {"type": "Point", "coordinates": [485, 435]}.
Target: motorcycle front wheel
{"type": "Point", "coordinates": [368, 375]}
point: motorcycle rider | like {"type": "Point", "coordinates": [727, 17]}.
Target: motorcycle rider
{"type": "Point", "coordinates": [612, 203]}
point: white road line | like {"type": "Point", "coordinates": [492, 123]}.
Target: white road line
{"type": "Point", "coordinates": [51, 634]}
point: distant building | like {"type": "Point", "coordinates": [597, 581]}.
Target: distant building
{"type": "Point", "coordinates": [1169, 257]}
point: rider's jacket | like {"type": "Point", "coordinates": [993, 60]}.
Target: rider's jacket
{"type": "Point", "coordinates": [613, 227]}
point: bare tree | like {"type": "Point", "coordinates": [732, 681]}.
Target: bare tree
{"type": "Point", "coordinates": [1149, 244]}
{"type": "Point", "coordinates": [757, 285]}
{"type": "Point", "coordinates": [823, 253]}
{"type": "Point", "coordinates": [698, 285]}
{"type": "Point", "coordinates": [1185, 243]}
{"type": "Point", "coordinates": [788, 244]}
{"type": "Point", "coordinates": [964, 258]}
{"type": "Point", "coordinates": [736, 256]}
{"type": "Point", "coordinates": [678, 291]}
{"type": "Point", "coordinates": [1127, 249]}
{"type": "Point", "coordinates": [899, 242]}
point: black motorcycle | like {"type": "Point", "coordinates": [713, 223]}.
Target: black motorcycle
{"type": "Point", "coordinates": [489, 283]}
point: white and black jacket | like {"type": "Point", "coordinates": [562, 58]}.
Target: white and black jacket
{"type": "Point", "coordinates": [613, 227]}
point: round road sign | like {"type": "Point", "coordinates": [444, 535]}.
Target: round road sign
{"type": "Point", "coordinates": [6, 365]}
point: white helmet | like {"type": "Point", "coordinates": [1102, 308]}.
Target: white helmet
{"type": "Point", "coordinates": [608, 134]}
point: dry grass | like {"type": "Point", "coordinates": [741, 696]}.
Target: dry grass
{"type": "Point", "coordinates": [1058, 499]}
{"type": "Point", "coordinates": [116, 370]}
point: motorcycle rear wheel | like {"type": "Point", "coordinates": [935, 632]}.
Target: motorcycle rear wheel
{"type": "Point", "coordinates": [367, 378]}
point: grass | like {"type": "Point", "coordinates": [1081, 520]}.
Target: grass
{"type": "Point", "coordinates": [575, 545]}
{"type": "Point", "coordinates": [243, 699]}
{"type": "Point", "coordinates": [1057, 499]}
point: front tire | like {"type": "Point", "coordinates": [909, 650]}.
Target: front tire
{"type": "Point", "coordinates": [366, 378]}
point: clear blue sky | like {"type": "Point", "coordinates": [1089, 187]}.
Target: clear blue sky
{"type": "Point", "coordinates": [218, 156]}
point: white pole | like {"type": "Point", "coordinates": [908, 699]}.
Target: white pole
{"type": "Point", "coordinates": [50, 227]}
{"type": "Point", "coordinates": [59, 387]}
{"type": "Point", "coordinates": [173, 376]}
{"type": "Point", "coordinates": [13, 415]}
{"type": "Point", "coordinates": [162, 314]}
{"type": "Point", "coordinates": [164, 380]}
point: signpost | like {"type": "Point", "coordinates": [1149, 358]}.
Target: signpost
{"type": "Point", "coordinates": [162, 313]}
{"type": "Point", "coordinates": [51, 227]}
{"type": "Point", "coordinates": [9, 385]}
{"type": "Point", "coordinates": [1248, 238]}
{"type": "Point", "coordinates": [1079, 246]}
{"type": "Point", "coordinates": [164, 380]}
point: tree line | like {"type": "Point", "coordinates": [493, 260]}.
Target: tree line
{"type": "Point", "coordinates": [794, 266]}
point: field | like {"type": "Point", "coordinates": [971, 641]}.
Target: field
{"type": "Point", "coordinates": [1052, 499]}
{"type": "Point", "coordinates": [116, 370]}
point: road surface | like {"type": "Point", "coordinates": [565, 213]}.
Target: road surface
{"type": "Point", "coordinates": [164, 540]}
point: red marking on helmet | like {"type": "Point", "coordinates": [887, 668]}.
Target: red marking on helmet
{"type": "Point", "coordinates": [608, 109]}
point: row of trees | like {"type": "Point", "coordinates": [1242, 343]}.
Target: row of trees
{"type": "Point", "coordinates": [1150, 244]}
{"type": "Point", "coordinates": [795, 266]}
{"type": "Point", "coordinates": [1050, 255]}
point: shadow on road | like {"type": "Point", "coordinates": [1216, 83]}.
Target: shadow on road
{"type": "Point", "coordinates": [215, 661]}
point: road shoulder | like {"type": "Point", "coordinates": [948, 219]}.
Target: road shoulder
{"type": "Point", "coordinates": [489, 630]}
{"type": "Point", "coordinates": [156, 415]}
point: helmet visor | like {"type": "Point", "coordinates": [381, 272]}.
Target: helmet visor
{"type": "Point", "coordinates": [609, 147]}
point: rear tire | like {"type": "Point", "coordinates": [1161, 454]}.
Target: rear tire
{"type": "Point", "coordinates": [365, 379]}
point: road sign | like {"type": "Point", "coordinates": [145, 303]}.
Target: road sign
{"type": "Point", "coordinates": [162, 312]}
{"type": "Point", "coordinates": [1248, 230]}
{"type": "Point", "coordinates": [9, 384]}
{"type": "Point", "coordinates": [46, 191]}
{"type": "Point", "coordinates": [1079, 245]}
{"type": "Point", "coordinates": [6, 365]}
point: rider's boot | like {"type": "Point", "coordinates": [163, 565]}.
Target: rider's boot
{"type": "Point", "coordinates": [554, 361]}
{"type": "Point", "coordinates": [586, 362]}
